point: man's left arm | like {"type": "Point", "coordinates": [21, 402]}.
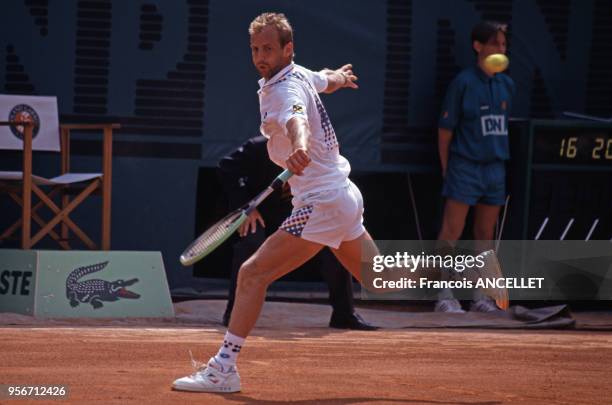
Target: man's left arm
{"type": "Point", "coordinates": [340, 78]}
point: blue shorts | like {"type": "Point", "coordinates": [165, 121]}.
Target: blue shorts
{"type": "Point", "coordinates": [474, 183]}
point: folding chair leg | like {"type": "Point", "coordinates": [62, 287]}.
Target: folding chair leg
{"type": "Point", "coordinates": [62, 215]}
{"type": "Point", "coordinates": [10, 230]}
{"type": "Point", "coordinates": [64, 244]}
{"type": "Point", "coordinates": [26, 226]}
{"type": "Point", "coordinates": [65, 231]}
{"type": "Point", "coordinates": [106, 187]}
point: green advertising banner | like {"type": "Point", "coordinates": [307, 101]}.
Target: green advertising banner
{"type": "Point", "coordinates": [17, 281]}
{"type": "Point", "coordinates": [83, 284]}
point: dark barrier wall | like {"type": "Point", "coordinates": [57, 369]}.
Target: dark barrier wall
{"type": "Point", "coordinates": [177, 75]}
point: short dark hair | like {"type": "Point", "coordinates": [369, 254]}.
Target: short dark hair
{"type": "Point", "coordinates": [485, 30]}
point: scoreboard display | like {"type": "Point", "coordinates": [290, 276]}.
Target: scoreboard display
{"type": "Point", "coordinates": [560, 180]}
{"type": "Point", "coordinates": [570, 146]}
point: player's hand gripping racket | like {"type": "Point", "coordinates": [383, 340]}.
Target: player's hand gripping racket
{"type": "Point", "coordinates": [219, 232]}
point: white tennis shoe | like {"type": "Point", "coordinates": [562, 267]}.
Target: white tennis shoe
{"type": "Point", "coordinates": [485, 304]}
{"type": "Point", "coordinates": [211, 377]}
{"type": "Point", "coordinates": [449, 305]}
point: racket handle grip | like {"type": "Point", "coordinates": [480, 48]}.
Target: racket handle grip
{"type": "Point", "coordinates": [281, 179]}
{"type": "Point", "coordinates": [284, 176]}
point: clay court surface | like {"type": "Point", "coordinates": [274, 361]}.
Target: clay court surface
{"type": "Point", "coordinates": [314, 365]}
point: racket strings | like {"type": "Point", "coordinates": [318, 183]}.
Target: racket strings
{"type": "Point", "coordinates": [215, 233]}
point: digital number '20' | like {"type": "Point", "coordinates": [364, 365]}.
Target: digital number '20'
{"type": "Point", "coordinates": [600, 144]}
{"type": "Point", "coordinates": [602, 148]}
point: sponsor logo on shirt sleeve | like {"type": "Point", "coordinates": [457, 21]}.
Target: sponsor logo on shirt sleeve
{"type": "Point", "coordinates": [298, 109]}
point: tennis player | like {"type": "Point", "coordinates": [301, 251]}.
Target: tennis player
{"type": "Point", "coordinates": [327, 206]}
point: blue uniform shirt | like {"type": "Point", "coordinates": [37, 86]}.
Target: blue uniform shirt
{"type": "Point", "coordinates": [476, 109]}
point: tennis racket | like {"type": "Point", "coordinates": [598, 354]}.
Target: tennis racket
{"type": "Point", "coordinates": [492, 270]}
{"type": "Point", "coordinates": [224, 228]}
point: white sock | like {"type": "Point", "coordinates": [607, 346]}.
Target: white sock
{"type": "Point", "coordinates": [479, 295]}
{"type": "Point", "coordinates": [229, 350]}
{"type": "Point", "coordinates": [445, 294]}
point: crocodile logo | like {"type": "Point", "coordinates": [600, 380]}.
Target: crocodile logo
{"type": "Point", "coordinates": [95, 291]}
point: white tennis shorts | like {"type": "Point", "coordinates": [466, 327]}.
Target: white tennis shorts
{"type": "Point", "coordinates": [327, 217]}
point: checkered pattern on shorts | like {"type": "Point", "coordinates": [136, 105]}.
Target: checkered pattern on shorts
{"type": "Point", "coordinates": [296, 222]}
{"type": "Point", "coordinates": [331, 142]}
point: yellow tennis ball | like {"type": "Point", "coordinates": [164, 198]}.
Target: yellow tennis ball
{"type": "Point", "coordinates": [496, 63]}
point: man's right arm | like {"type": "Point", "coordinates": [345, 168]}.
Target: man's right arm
{"type": "Point", "coordinates": [444, 140]}
{"type": "Point", "coordinates": [449, 119]}
{"type": "Point", "coordinates": [298, 131]}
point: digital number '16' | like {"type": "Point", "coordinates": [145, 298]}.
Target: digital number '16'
{"type": "Point", "coordinates": [568, 147]}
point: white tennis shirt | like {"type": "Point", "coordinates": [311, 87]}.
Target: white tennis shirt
{"type": "Point", "coordinates": [293, 92]}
